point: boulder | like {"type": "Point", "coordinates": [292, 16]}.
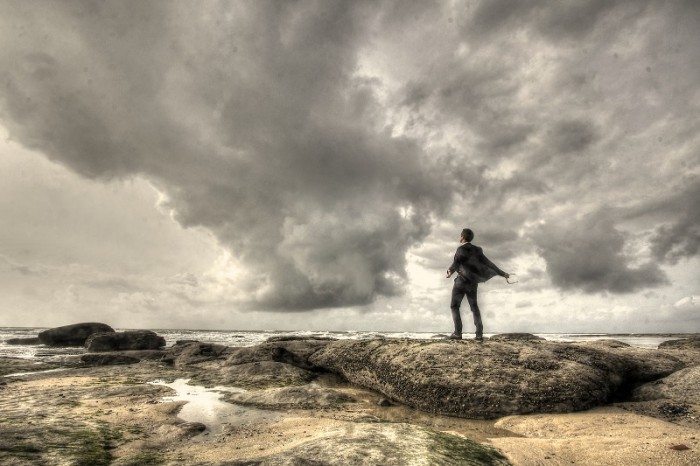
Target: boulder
{"type": "Point", "coordinates": [474, 380]}
{"type": "Point", "coordinates": [23, 341]}
{"type": "Point", "coordinates": [189, 352]}
{"type": "Point", "coordinates": [682, 386]}
{"type": "Point", "coordinates": [72, 335]}
{"type": "Point", "coordinates": [261, 374]}
{"type": "Point", "coordinates": [295, 352]}
{"type": "Point", "coordinates": [515, 336]}
{"type": "Point", "coordinates": [683, 343]}
{"type": "Point", "coordinates": [120, 341]}
{"type": "Point", "coordinates": [675, 398]}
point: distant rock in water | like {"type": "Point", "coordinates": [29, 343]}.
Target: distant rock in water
{"type": "Point", "coordinates": [23, 341]}
{"type": "Point", "coordinates": [515, 336]}
{"type": "Point", "coordinates": [684, 343]}
{"type": "Point", "coordinates": [604, 343]}
{"type": "Point", "coordinates": [72, 335]}
{"type": "Point", "coordinates": [275, 338]}
{"type": "Point", "coordinates": [120, 341]}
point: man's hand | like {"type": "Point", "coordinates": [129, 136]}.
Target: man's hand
{"type": "Point", "coordinates": [449, 274]}
{"type": "Point", "coordinates": [506, 276]}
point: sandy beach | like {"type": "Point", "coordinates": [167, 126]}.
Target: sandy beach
{"type": "Point", "coordinates": [181, 411]}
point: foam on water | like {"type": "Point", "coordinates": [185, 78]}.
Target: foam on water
{"type": "Point", "coordinates": [249, 338]}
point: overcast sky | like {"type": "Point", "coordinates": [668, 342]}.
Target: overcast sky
{"type": "Point", "coordinates": [310, 164]}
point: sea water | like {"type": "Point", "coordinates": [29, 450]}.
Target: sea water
{"type": "Point", "coordinates": [249, 338]}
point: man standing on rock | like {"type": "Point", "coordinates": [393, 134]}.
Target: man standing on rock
{"type": "Point", "coordinates": [472, 268]}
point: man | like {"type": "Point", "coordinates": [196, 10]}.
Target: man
{"type": "Point", "coordinates": [472, 267]}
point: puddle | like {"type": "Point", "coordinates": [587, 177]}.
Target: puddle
{"type": "Point", "coordinates": [205, 405]}
{"type": "Point", "coordinates": [22, 374]}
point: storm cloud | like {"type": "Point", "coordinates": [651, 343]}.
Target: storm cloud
{"type": "Point", "coordinates": [588, 254]}
{"type": "Point", "coordinates": [249, 118]}
{"type": "Point", "coordinates": [321, 141]}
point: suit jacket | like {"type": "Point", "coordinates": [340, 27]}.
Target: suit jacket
{"type": "Point", "coordinates": [472, 265]}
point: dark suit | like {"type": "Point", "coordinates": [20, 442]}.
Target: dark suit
{"type": "Point", "coordinates": [472, 268]}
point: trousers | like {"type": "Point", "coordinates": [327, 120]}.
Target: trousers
{"type": "Point", "coordinates": [459, 290]}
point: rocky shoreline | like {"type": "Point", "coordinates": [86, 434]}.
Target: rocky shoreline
{"type": "Point", "coordinates": [390, 401]}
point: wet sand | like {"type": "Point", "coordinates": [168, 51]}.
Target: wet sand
{"type": "Point", "coordinates": [606, 435]}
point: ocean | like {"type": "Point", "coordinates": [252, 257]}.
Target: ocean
{"type": "Point", "coordinates": [249, 338]}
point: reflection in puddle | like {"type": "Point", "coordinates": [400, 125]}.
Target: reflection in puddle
{"type": "Point", "coordinates": [205, 405]}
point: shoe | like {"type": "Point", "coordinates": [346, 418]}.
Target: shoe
{"type": "Point", "coordinates": [455, 336]}
{"type": "Point", "coordinates": [479, 339]}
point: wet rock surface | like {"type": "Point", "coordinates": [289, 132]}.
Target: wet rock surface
{"type": "Point", "coordinates": [121, 341]}
{"type": "Point", "coordinates": [295, 397]}
{"type": "Point", "coordinates": [72, 335]}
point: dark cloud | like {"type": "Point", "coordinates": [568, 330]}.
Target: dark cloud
{"type": "Point", "coordinates": [556, 21]}
{"type": "Point", "coordinates": [321, 141]}
{"type": "Point", "coordinates": [680, 238]}
{"type": "Point", "coordinates": [587, 254]}
{"type": "Point", "coordinates": [248, 118]}
{"type": "Point", "coordinates": [673, 218]}
{"type": "Point", "coordinates": [572, 136]}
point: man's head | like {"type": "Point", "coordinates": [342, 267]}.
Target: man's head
{"type": "Point", "coordinates": [466, 236]}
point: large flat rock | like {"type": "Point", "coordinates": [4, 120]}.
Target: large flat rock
{"type": "Point", "coordinates": [494, 378]}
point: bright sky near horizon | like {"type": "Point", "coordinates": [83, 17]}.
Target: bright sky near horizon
{"type": "Point", "coordinates": [309, 165]}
